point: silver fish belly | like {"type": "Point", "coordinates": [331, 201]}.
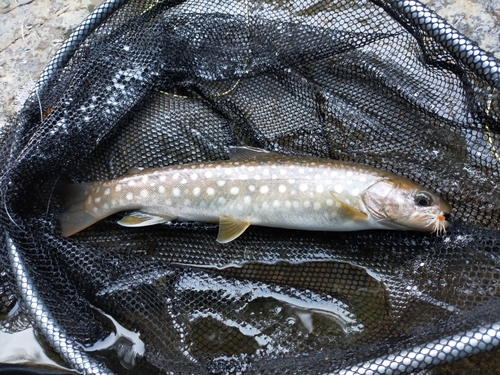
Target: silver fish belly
{"type": "Point", "coordinates": [254, 187]}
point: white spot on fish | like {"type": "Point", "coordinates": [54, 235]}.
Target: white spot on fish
{"type": "Point", "coordinates": [129, 196]}
{"type": "Point", "coordinates": [264, 189]}
{"type": "Point", "coordinates": [282, 172]}
{"type": "Point", "coordinates": [265, 205]}
{"type": "Point", "coordinates": [228, 171]}
{"type": "Point", "coordinates": [291, 181]}
{"type": "Point", "coordinates": [163, 178]}
{"type": "Point", "coordinates": [251, 187]}
{"type": "Point", "coordinates": [320, 189]}
{"type": "Point", "coordinates": [145, 179]}
{"type": "Point", "coordinates": [349, 173]}
{"type": "Point", "coordinates": [329, 202]}
{"type": "Point", "coordinates": [355, 191]}
{"type": "Point", "coordinates": [247, 199]}
{"type": "Point", "coordinates": [288, 204]}
{"type": "Point", "coordinates": [256, 177]}
{"type": "Point", "coordinates": [97, 189]}
{"type": "Point", "coordinates": [317, 176]}
{"type": "Point", "coordinates": [317, 205]}
{"type": "Point", "coordinates": [221, 200]}
{"type": "Point", "coordinates": [187, 201]}
{"type": "Point", "coordinates": [175, 176]}
{"type": "Point", "coordinates": [94, 209]}
{"type": "Point", "coordinates": [176, 191]}
{"type": "Point", "coordinates": [307, 204]}
{"type": "Point", "coordinates": [337, 204]}
{"type": "Point", "coordinates": [338, 189]}
{"type": "Point", "coordinates": [97, 200]}
{"type": "Point", "coordinates": [196, 191]}
{"type": "Point", "coordinates": [221, 183]}
{"type": "Point", "coordinates": [334, 173]}
{"type": "Point", "coordinates": [210, 191]}
{"type": "Point", "coordinates": [282, 188]}
{"type": "Point", "coordinates": [362, 179]}
{"type": "Point", "coordinates": [113, 202]}
{"type": "Point", "coordinates": [208, 174]}
{"type": "Point", "coordinates": [183, 181]}
{"type": "Point", "coordinates": [194, 176]}
{"type": "Point", "coordinates": [265, 172]}
{"type": "Point", "coordinates": [105, 206]}
{"type": "Point", "coordinates": [168, 202]}
{"type": "Point", "coordinates": [161, 189]}
{"type": "Point", "coordinates": [251, 169]}
{"type": "Point", "coordinates": [301, 170]}
{"type": "Point", "coordinates": [107, 191]}
{"type": "Point", "coordinates": [243, 177]}
{"type": "Point", "coordinates": [303, 187]}
{"type": "Point", "coordinates": [144, 193]}
{"type": "Point", "coordinates": [89, 199]}
{"type": "Point", "coordinates": [234, 190]}
{"type": "Point", "coordinates": [131, 183]}
{"type": "Point", "coordinates": [276, 203]}
{"type": "Point", "coordinates": [118, 188]}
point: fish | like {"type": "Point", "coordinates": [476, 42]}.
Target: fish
{"type": "Point", "coordinates": [259, 187]}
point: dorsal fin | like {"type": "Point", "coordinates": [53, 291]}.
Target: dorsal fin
{"type": "Point", "coordinates": [135, 170]}
{"type": "Point", "coordinates": [247, 152]}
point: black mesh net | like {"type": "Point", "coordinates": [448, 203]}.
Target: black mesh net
{"type": "Point", "coordinates": [157, 83]}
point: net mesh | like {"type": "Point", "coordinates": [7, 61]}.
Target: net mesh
{"type": "Point", "coordinates": [158, 83]}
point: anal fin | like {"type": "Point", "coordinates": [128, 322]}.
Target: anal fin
{"type": "Point", "coordinates": [230, 228]}
{"type": "Point", "coordinates": [349, 210]}
{"type": "Point", "coordinates": [143, 219]}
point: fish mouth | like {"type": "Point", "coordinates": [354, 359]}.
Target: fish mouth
{"type": "Point", "coordinates": [426, 223]}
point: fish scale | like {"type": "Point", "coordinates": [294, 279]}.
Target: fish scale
{"type": "Point", "coordinates": [254, 187]}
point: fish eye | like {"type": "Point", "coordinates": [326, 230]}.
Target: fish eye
{"type": "Point", "coordinates": [423, 199]}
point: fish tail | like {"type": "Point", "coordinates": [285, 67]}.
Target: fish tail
{"type": "Point", "coordinates": [76, 217]}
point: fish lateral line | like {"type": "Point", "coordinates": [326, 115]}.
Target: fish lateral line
{"type": "Point", "coordinates": [258, 187]}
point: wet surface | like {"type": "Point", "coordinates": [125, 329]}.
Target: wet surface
{"type": "Point", "coordinates": [32, 31]}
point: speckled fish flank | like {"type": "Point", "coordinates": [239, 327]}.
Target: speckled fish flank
{"type": "Point", "coordinates": [256, 187]}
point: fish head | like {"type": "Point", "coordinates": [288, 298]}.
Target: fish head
{"type": "Point", "coordinates": [403, 204]}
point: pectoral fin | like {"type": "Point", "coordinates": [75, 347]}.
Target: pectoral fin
{"type": "Point", "coordinates": [350, 211]}
{"type": "Point", "coordinates": [230, 228]}
{"type": "Point", "coordinates": [143, 219]}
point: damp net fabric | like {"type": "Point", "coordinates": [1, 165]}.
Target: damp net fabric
{"type": "Point", "coordinates": [158, 83]}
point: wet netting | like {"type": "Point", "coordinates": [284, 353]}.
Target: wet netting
{"type": "Point", "coordinates": [156, 83]}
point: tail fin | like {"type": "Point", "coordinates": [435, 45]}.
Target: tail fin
{"type": "Point", "coordinates": [76, 217]}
